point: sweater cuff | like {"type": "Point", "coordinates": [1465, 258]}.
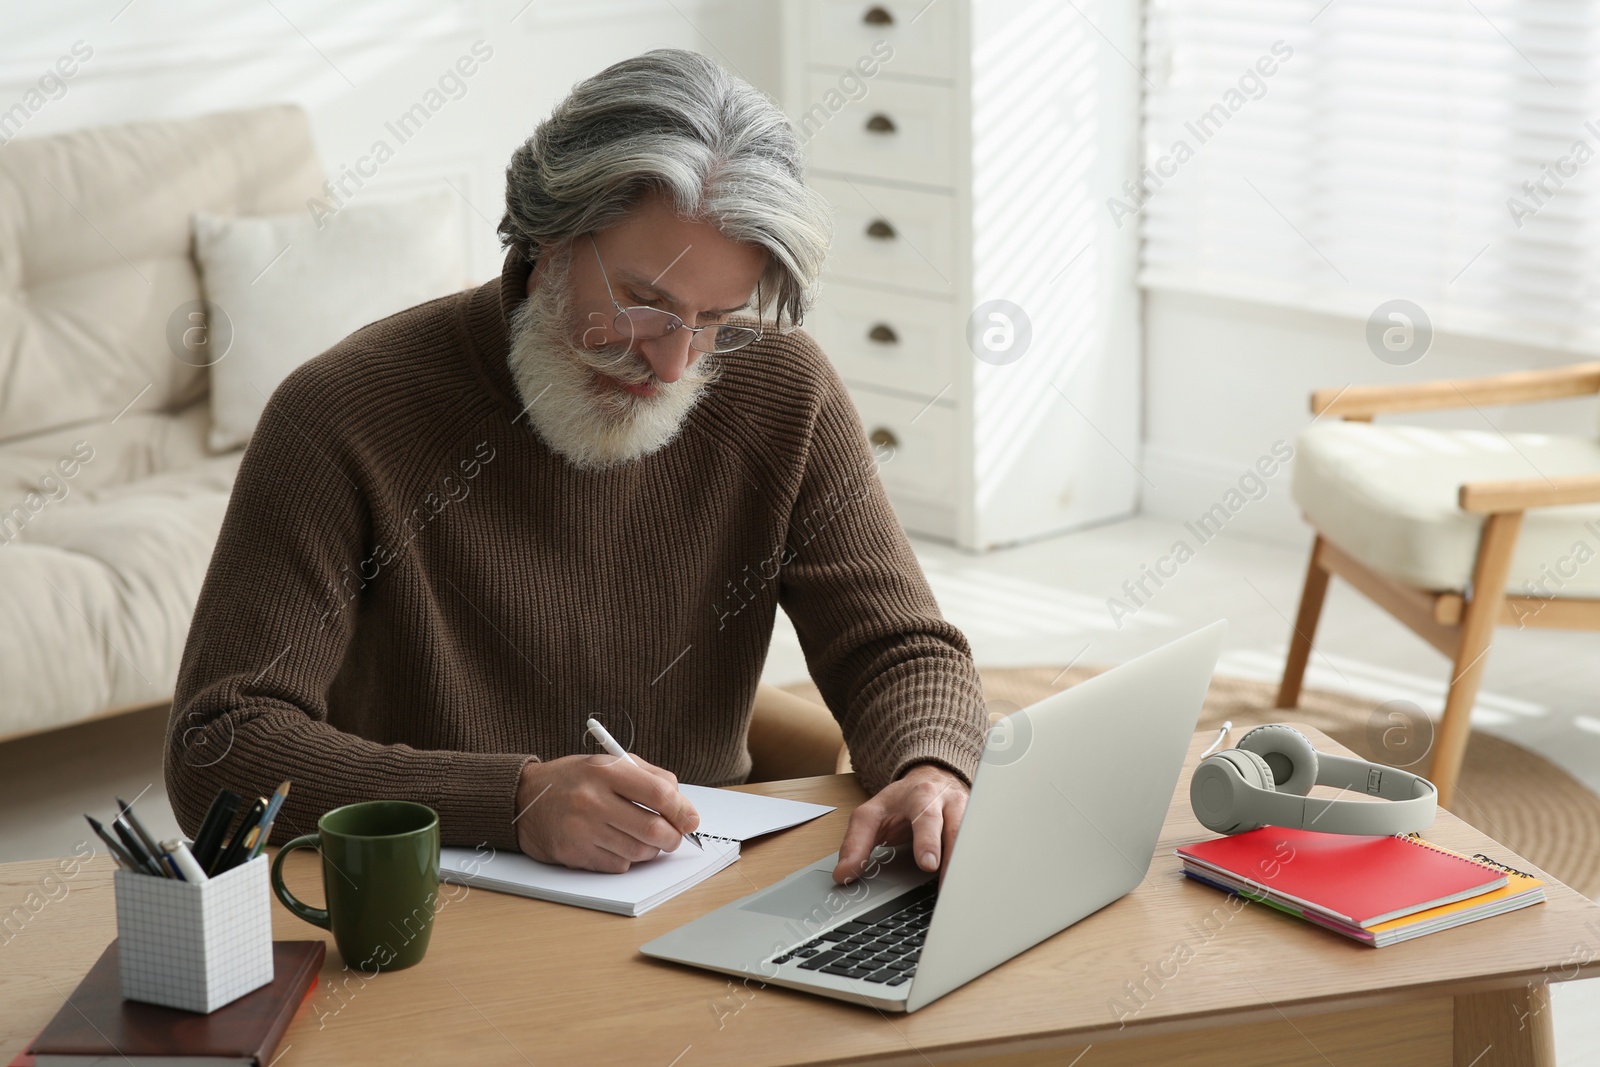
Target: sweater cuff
{"type": "Point", "coordinates": [476, 798]}
{"type": "Point", "coordinates": [946, 740]}
{"type": "Point", "coordinates": [944, 764]}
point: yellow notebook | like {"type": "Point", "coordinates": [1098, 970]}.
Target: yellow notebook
{"type": "Point", "coordinates": [1521, 889]}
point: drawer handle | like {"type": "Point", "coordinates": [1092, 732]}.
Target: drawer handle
{"type": "Point", "coordinates": [883, 334]}
{"type": "Point", "coordinates": [877, 16]}
{"type": "Point", "coordinates": [880, 229]}
{"type": "Point", "coordinates": [882, 437]}
{"type": "Point", "coordinates": [881, 124]}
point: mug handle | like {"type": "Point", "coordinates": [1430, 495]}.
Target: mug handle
{"type": "Point", "coordinates": [314, 916]}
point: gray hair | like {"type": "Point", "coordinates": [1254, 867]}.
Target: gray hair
{"type": "Point", "coordinates": [673, 121]}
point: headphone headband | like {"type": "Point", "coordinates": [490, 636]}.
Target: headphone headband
{"type": "Point", "coordinates": [1373, 779]}
{"type": "Point", "coordinates": [1238, 789]}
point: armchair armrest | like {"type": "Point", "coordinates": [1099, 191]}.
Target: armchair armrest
{"type": "Point", "coordinates": [1521, 387]}
{"type": "Point", "coordinates": [1489, 497]}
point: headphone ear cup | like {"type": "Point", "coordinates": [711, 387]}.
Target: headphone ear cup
{"type": "Point", "coordinates": [1220, 790]}
{"type": "Point", "coordinates": [1288, 755]}
{"type": "Point", "coordinates": [1253, 770]}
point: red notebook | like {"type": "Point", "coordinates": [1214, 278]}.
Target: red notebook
{"type": "Point", "coordinates": [97, 1025]}
{"type": "Point", "coordinates": [1360, 880]}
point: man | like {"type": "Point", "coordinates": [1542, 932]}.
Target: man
{"type": "Point", "coordinates": [584, 488]}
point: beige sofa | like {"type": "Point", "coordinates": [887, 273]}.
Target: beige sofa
{"type": "Point", "coordinates": [109, 499]}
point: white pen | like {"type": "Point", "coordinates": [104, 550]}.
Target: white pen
{"type": "Point", "coordinates": [187, 865]}
{"type": "Point", "coordinates": [609, 743]}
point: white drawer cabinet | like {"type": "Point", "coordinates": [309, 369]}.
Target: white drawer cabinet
{"type": "Point", "coordinates": [837, 32]}
{"type": "Point", "coordinates": [916, 441]}
{"type": "Point", "coordinates": [967, 148]}
{"type": "Point", "coordinates": [890, 236]}
{"type": "Point", "coordinates": [900, 132]}
{"type": "Point", "coordinates": [886, 341]}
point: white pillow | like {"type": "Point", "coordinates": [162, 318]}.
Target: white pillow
{"type": "Point", "coordinates": [291, 289]}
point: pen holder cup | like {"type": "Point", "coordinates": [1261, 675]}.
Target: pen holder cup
{"type": "Point", "coordinates": [195, 946]}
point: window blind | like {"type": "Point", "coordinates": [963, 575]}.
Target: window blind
{"type": "Point", "coordinates": [1336, 156]}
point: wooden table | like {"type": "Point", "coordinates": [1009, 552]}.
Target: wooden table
{"type": "Point", "coordinates": [1175, 972]}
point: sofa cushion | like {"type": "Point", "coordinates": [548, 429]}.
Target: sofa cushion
{"type": "Point", "coordinates": [73, 465]}
{"type": "Point", "coordinates": [98, 582]}
{"type": "Point", "coordinates": [95, 253]}
{"type": "Point", "coordinates": [1387, 495]}
{"type": "Point", "coordinates": [293, 286]}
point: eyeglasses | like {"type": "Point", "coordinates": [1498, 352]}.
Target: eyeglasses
{"type": "Point", "coordinates": [642, 323]}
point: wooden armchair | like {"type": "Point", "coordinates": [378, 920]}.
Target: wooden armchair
{"type": "Point", "coordinates": [1452, 532]}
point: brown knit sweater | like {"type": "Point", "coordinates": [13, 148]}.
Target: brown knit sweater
{"type": "Point", "coordinates": [412, 597]}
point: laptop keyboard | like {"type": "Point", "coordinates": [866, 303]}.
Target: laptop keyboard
{"type": "Point", "coordinates": [882, 945]}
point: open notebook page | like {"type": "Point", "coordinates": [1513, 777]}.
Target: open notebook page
{"type": "Point", "coordinates": [741, 816]}
{"type": "Point", "coordinates": [634, 892]}
{"type": "Point", "coordinates": [727, 817]}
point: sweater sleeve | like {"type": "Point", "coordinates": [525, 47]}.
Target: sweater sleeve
{"type": "Point", "coordinates": [897, 676]}
{"type": "Point", "coordinates": [251, 705]}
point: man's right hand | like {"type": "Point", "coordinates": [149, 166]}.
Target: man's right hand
{"type": "Point", "coordinates": [583, 812]}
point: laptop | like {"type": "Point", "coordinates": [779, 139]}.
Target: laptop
{"type": "Point", "coordinates": [1066, 806]}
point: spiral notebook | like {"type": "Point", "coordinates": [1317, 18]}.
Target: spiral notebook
{"type": "Point", "coordinates": [727, 818]}
{"type": "Point", "coordinates": [1375, 889]}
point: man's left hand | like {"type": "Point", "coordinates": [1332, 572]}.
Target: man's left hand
{"type": "Point", "coordinates": [923, 805]}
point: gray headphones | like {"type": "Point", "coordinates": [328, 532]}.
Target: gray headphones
{"type": "Point", "coordinates": [1265, 781]}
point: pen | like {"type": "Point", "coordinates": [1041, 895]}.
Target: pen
{"type": "Point", "coordinates": [184, 860]}
{"type": "Point", "coordinates": [148, 863]}
{"type": "Point", "coordinates": [170, 865]}
{"type": "Point", "coordinates": [267, 820]}
{"type": "Point", "coordinates": [231, 855]}
{"type": "Point", "coordinates": [609, 743]}
{"type": "Point", "coordinates": [208, 841]}
{"type": "Point", "coordinates": [118, 853]}
{"type": "Point", "coordinates": [127, 816]}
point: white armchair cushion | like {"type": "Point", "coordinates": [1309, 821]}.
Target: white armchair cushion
{"type": "Point", "coordinates": [292, 289]}
{"type": "Point", "coordinates": [1387, 495]}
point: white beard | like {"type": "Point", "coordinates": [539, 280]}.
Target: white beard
{"type": "Point", "coordinates": [592, 425]}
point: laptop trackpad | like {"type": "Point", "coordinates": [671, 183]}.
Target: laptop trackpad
{"type": "Point", "coordinates": [803, 898]}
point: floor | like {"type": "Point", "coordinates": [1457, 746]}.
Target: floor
{"type": "Point", "coordinates": [1043, 603]}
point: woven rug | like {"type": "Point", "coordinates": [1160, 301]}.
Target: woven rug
{"type": "Point", "coordinates": [1511, 794]}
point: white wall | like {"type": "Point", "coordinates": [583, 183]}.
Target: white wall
{"type": "Point", "coordinates": [1225, 379]}
{"type": "Point", "coordinates": [358, 64]}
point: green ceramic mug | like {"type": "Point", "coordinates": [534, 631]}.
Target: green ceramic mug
{"type": "Point", "coordinates": [380, 875]}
